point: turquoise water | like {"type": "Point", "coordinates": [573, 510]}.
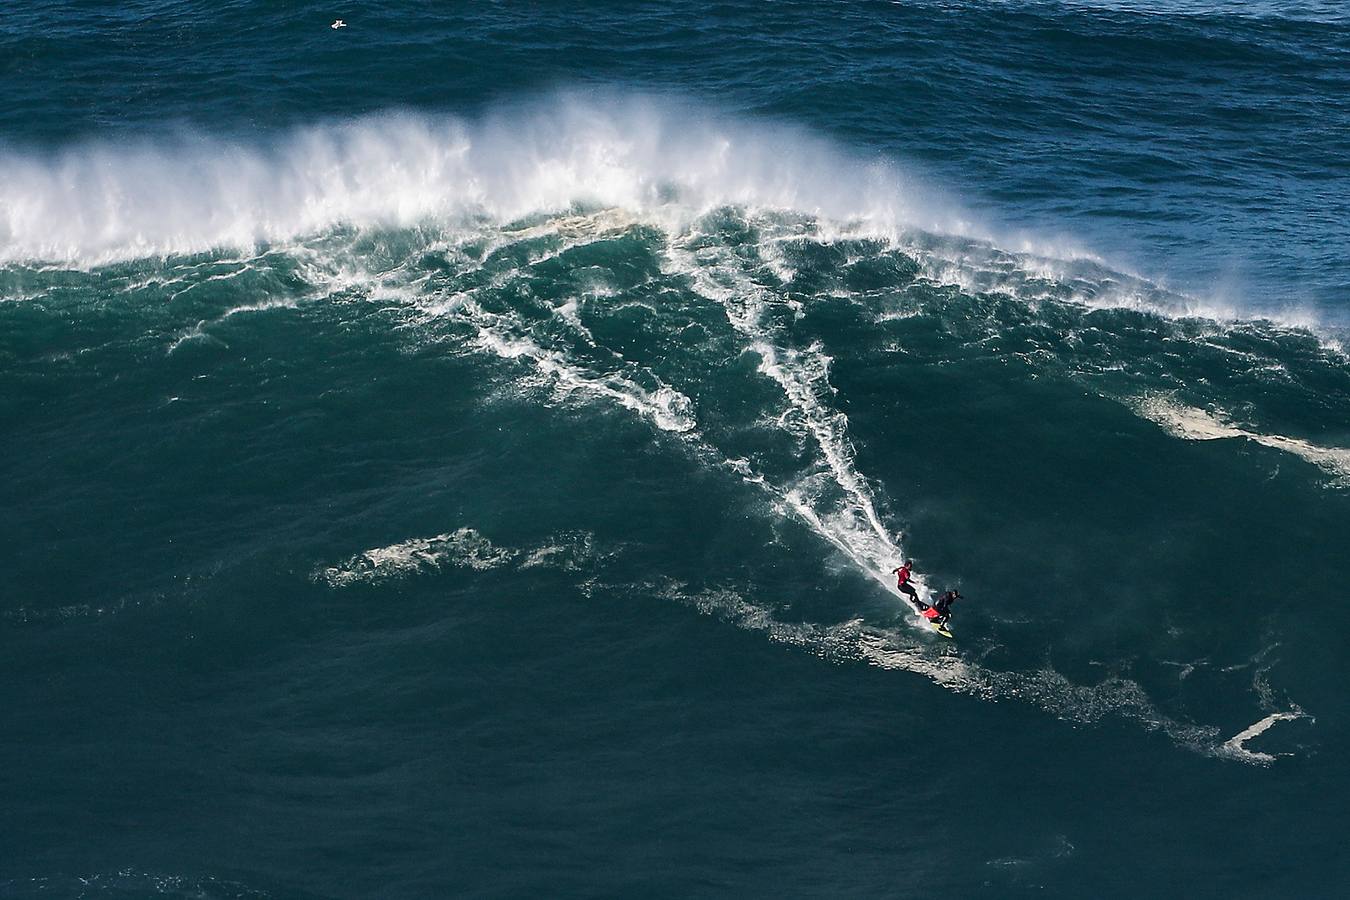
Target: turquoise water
{"type": "Point", "coordinates": [462, 453]}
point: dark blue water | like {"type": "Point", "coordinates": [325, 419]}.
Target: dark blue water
{"type": "Point", "coordinates": [464, 452]}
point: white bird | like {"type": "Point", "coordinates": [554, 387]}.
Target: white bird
{"type": "Point", "coordinates": [338, 23]}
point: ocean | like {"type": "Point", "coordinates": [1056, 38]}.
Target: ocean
{"type": "Point", "coordinates": [464, 452]}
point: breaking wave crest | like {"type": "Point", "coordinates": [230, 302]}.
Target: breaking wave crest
{"type": "Point", "coordinates": [103, 201]}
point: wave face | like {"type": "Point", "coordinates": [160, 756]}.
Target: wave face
{"type": "Point", "coordinates": [403, 459]}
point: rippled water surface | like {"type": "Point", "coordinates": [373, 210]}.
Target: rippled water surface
{"type": "Point", "coordinates": [464, 452]}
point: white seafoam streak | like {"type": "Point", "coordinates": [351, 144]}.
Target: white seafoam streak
{"type": "Point", "coordinates": [1235, 747]}
{"type": "Point", "coordinates": [465, 548]}
{"type": "Point", "coordinates": [1191, 424]}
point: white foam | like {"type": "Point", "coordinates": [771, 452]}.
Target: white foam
{"type": "Point", "coordinates": [1192, 424]}
{"type": "Point", "coordinates": [199, 332]}
{"type": "Point", "coordinates": [1062, 849]}
{"type": "Point", "coordinates": [463, 547]}
{"type": "Point", "coordinates": [1235, 747]}
{"type": "Point", "coordinates": [128, 882]}
{"type": "Point", "coordinates": [569, 552]}
{"type": "Point", "coordinates": [104, 200]}
{"type": "Point", "coordinates": [1046, 689]}
{"type": "Point", "coordinates": [666, 407]}
{"type": "Point", "coordinates": [657, 160]}
{"type": "Point", "coordinates": [852, 525]}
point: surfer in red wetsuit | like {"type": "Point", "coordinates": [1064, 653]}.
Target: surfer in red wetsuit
{"type": "Point", "coordinates": [902, 581]}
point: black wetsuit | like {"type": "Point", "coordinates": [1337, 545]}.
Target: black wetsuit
{"type": "Point", "coordinates": [943, 605]}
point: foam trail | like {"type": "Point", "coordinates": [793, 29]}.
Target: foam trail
{"type": "Point", "coordinates": [464, 547]}
{"type": "Point", "coordinates": [803, 376]}
{"type": "Point", "coordinates": [985, 264]}
{"type": "Point", "coordinates": [1191, 424]}
{"type": "Point", "coordinates": [1046, 689]}
{"type": "Point", "coordinates": [870, 548]}
{"type": "Point", "coordinates": [198, 331]}
{"type": "Point", "coordinates": [1235, 748]}
{"type": "Point", "coordinates": [666, 407]}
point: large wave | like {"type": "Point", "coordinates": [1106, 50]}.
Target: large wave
{"type": "Point", "coordinates": [743, 228]}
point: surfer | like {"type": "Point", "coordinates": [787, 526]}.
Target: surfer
{"type": "Point", "coordinates": [940, 613]}
{"type": "Point", "coordinates": [942, 607]}
{"type": "Point", "coordinates": [902, 582]}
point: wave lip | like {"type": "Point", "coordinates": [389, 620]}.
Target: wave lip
{"type": "Point", "coordinates": [107, 201]}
